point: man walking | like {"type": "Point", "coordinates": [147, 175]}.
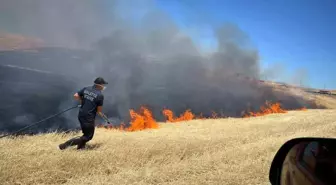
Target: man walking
{"type": "Point", "coordinates": [91, 100]}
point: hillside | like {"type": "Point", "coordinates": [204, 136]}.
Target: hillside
{"type": "Point", "coordinates": [9, 41]}
{"type": "Point", "coordinates": [222, 151]}
{"type": "Point", "coordinates": [326, 100]}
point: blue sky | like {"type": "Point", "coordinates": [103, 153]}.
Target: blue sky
{"type": "Point", "coordinates": [299, 34]}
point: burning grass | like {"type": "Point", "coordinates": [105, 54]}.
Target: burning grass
{"type": "Point", "coordinates": [270, 108]}
{"type": "Point", "coordinates": [186, 116]}
{"type": "Point", "coordinates": [143, 119]}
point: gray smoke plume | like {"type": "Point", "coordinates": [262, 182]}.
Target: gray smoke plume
{"type": "Point", "coordinates": [300, 78]}
{"type": "Point", "coordinates": [278, 72]}
{"type": "Point", "coordinates": [60, 23]}
{"type": "Point", "coordinates": [273, 72]}
{"type": "Point", "coordinates": [150, 63]}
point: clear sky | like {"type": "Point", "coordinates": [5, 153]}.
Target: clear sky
{"type": "Point", "coordinates": [299, 34]}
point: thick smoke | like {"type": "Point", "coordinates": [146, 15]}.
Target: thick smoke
{"type": "Point", "coordinates": [60, 23]}
{"type": "Point", "coordinates": [149, 63]}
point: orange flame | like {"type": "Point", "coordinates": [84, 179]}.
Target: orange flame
{"type": "Point", "coordinates": [269, 109]}
{"type": "Point", "coordinates": [144, 119]}
{"type": "Point", "coordinates": [186, 116]}
{"type": "Point", "coordinates": [139, 121]}
{"type": "Point", "coordinates": [169, 115]}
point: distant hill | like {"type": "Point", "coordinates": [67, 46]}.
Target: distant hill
{"type": "Point", "coordinates": [10, 42]}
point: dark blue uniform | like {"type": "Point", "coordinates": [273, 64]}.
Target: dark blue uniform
{"type": "Point", "coordinates": [91, 99]}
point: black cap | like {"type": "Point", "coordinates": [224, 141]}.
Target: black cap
{"type": "Point", "coordinates": [100, 81]}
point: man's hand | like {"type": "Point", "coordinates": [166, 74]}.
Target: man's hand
{"type": "Point", "coordinates": [104, 117]}
{"type": "Point", "coordinates": [101, 114]}
{"type": "Point", "coordinates": [77, 97]}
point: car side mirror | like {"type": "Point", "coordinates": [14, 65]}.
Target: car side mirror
{"type": "Point", "coordinates": [305, 161]}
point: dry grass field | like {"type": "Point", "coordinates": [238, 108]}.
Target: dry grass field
{"type": "Point", "coordinates": [220, 151]}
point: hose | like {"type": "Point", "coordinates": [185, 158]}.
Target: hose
{"type": "Point", "coordinates": [45, 119]}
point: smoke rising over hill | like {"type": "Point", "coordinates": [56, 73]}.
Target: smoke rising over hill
{"type": "Point", "coordinates": [151, 62]}
{"type": "Point", "coordinates": [62, 23]}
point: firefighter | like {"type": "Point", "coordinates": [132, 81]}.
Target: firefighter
{"type": "Point", "coordinates": [91, 102]}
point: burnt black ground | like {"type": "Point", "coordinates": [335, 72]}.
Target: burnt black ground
{"type": "Point", "coordinates": [30, 94]}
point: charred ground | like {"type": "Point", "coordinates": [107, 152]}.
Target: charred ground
{"type": "Point", "coordinates": [30, 94]}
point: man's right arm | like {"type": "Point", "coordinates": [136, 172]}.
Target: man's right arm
{"type": "Point", "coordinates": [78, 96]}
{"type": "Point", "coordinates": [100, 103]}
{"type": "Point", "coordinates": [100, 113]}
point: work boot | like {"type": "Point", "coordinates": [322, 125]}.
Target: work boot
{"type": "Point", "coordinates": [71, 142]}
{"type": "Point", "coordinates": [81, 146]}
{"type": "Point", "coordinates": [62, 146]}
